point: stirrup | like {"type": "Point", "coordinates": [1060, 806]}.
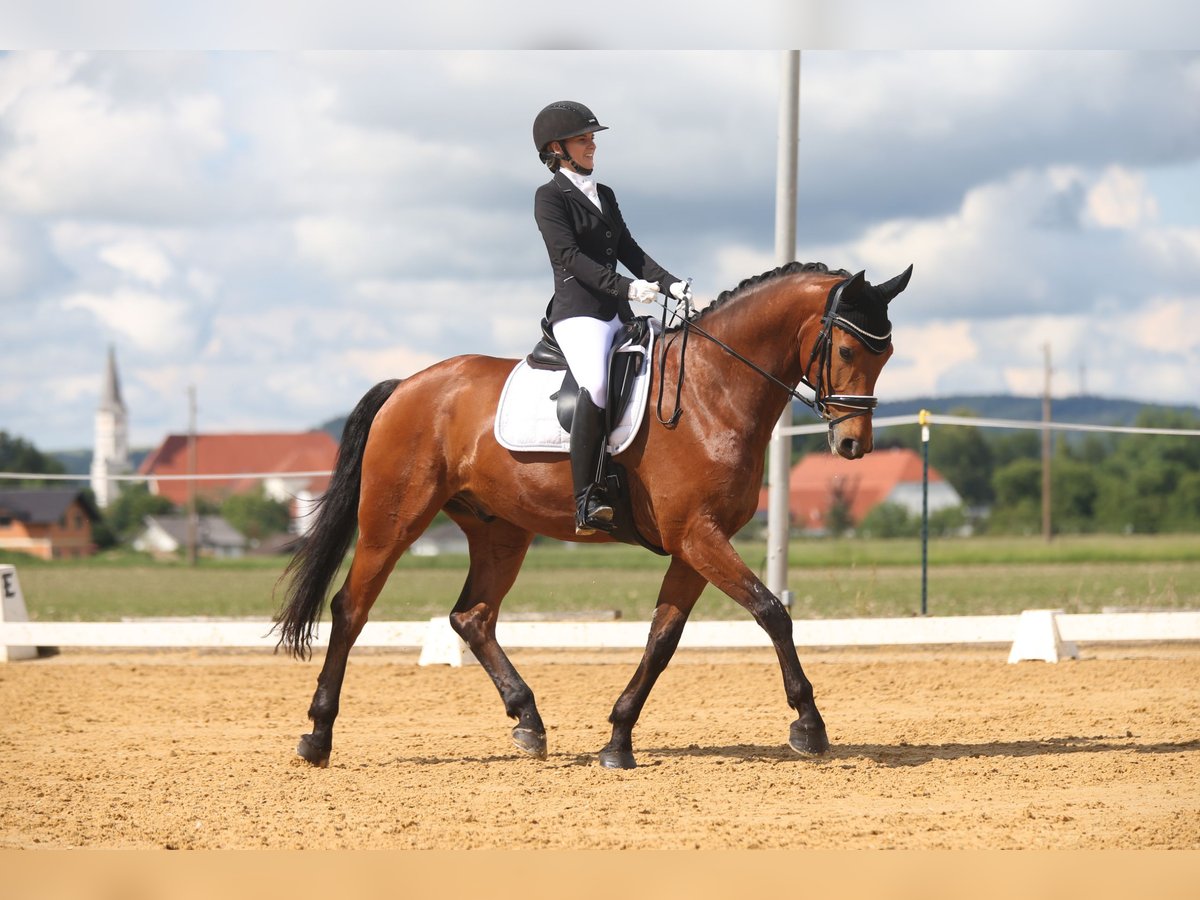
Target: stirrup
{"type": "Point", "coordinates": [592, 511]}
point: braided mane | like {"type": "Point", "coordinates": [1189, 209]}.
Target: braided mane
{"type": "Point", "coordinates": [787, 269]}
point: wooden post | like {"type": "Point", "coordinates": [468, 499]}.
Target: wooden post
{"type": "Point", "coordinates": [192, 524]}
{"type": "Point", "coordinates": [1047, 447]}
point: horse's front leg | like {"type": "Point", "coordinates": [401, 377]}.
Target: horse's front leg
{"type": "Point", "coordinates": [708, 550]}
{"type": "Point", "coordinates": [680, 589]}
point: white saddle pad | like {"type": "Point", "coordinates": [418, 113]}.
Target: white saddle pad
{"type": "Point", "coordinates": [527, 419]}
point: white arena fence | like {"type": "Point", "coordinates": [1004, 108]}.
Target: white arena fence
{"type": "Point", "coordinates": [1034, 634]}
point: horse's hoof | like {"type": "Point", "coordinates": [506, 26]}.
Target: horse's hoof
{"type": "Point", "coordinates": [617, 759]}
{"type": "Point", "coordinates": [311, 753]}
{"type": "Point", "coordinates": [808, 741]}
{"type": "Point", "coordinates": [530, 741]}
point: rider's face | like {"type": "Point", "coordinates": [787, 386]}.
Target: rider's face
{"type": "Point", "coordinates": [582, 149]}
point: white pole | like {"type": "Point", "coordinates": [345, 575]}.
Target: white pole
{"type": "Point", "coordinates": [778, 513]}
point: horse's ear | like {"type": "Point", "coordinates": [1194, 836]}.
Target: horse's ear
{"type": "Point", "coordinates": [854, 285]}
{"type": "Point", "coordinates": [889, 289]}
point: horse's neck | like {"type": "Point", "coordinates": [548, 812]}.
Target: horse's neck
{"type": "Point", "coordinates": [765, 328]}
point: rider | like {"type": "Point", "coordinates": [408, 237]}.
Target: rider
{"type": "Point", "coordinates": [585, 236]}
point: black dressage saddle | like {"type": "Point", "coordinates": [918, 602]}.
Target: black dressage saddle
{"type": "Point", "coordinates": [623, 369]}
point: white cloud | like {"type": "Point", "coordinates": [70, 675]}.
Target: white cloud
{"type": "Point", "coordinates": [74, 147]}
{"type": "Point", "coordinates": [390, 362]}
{"type": "Point", "coordinates": [142, 261]}
{"type": "Point", "coordinates": [1166, 327]}
{"type": "Point", "coordinates": [1119, 199]}
{"type": "Point", "coordinates": [27, 261]}
{"type": "Point", "coordinates": [925, 354]}
{"type": "Point", "coordinates": [156, 324]}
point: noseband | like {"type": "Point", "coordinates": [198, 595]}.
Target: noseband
{"type": "Point", "coordinates": [821, 357]}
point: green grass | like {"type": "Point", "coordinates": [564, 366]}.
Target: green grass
{"type": "Point", "coordinates": [829, 579]}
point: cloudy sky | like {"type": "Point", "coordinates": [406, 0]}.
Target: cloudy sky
{"type": "Point", "coordinates": [282, 230]}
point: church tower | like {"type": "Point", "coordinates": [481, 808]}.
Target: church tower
{"type": "Point", "coordinates": [110, 455]}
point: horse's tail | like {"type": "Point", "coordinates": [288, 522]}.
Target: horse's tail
{"type": "Point", "coordinates": [325, 546]}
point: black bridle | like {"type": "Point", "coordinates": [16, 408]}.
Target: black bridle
{"type": "Point", "coordinates": [821, 357]}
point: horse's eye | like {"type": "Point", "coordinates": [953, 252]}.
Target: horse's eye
{"type": "Point", "coordinates": [845, 353]}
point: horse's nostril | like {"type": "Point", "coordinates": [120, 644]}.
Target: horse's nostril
{"type": "Point", "coordinates": [850, 448]}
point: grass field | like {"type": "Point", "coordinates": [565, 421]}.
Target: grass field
{"type": "Point", "coordinates": [829, 579]}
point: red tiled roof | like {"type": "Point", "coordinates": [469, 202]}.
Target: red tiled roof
{"type": "Point", "coordinates": [218, 454]}
{"type": "Point", "coordinates": [819, 478]}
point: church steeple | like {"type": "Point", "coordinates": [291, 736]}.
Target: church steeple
{"type": "Point", "coordinates": [110, 396]}
{"type": "Point", "coordinates": [110, 453]}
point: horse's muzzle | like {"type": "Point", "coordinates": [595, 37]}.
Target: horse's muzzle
{"type": "Point", "coordinates": [849, 448]}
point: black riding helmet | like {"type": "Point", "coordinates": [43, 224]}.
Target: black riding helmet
{"type": "Point", "coordinates": [559, 121]}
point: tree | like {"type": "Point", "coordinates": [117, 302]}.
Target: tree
{"type": "Point", "coordinates": [889, 520]}
{"type": "Point", "coordinates": [1011, 446]}
{"type": "Point", "coordinates": [1074, 490]}
{"type": "Point", "coordinates": [1018, 488]}
{"type": "Point", "coordinates": [960, 453]}
{"type": "Point", "coordinates": [19, 455]}
{"type": "Point", "coordinates": [125, 515]}
{"type": "Point", "coordinates": [837, 519]}
{"type": "Point", "coordinates": [256, 515]}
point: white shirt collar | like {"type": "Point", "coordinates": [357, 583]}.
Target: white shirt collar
{"type": "Point", "coordinates": [585, 183]}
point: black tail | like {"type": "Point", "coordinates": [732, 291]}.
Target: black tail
{"type": "Point", "coordinates": [314, 565]}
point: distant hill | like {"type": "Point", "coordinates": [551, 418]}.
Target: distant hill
{"type": "Point", "coordinates": [79, 462]}
{"type": "Point", "coordinates": [335, 427]}
{"type": "Point", "coordinates": [1081, 410]}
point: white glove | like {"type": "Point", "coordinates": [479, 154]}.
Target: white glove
{"type": "Point", "coordinates": [643, 291]}
{"type": "Point", "coordinates": [681, 290]}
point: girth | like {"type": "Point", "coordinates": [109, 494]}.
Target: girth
{"type": "Point", "coordinates": [623, 368]}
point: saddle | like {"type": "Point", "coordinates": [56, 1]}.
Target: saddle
{"type": "Point", "coordinates": [624, 366]}
{"type": "Point", "coordinates": [631, 348]}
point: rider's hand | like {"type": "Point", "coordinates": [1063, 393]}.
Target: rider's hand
{"type": "Point", "coordinates": [643, 291]}
{"type": "Point", "coordinates": [681, 290]}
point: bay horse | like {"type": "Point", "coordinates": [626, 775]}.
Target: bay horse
{"type": "Point", "coordinates": [415, 446]}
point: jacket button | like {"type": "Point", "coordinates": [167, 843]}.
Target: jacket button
{"type": "Point", "coordinates": [609, 251]}
{"type": "Point", "coordinates": [612, 265]}
{"type": "Point", "coordinates": [608, 234]}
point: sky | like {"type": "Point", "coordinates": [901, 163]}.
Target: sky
{"type": "Point", "coordinates": [284, 229]}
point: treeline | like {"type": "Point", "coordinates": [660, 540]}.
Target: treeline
{"type": "Point", "coordinates": [1099, 482]}
{"type": "Point", "coordinates": [19, 455]}
{"type": "Point", "coordinates": [253, 514]}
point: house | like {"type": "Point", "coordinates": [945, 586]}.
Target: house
{"type": "Point", "coordinates": [168, 535]}
{"type": "Point", "coordinates": [819, 480]}
{"type": "Point", "coordinates": [298, 463]}
{"type": "Point", "coordinates": [49, 523]}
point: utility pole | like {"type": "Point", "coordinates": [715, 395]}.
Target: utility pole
{"type": "Point", "coordinates": [1046, 447]}
{"type": "Point", "coordinates": [191, 484]}
{"type": "Point", "coordinates": [778, 512]}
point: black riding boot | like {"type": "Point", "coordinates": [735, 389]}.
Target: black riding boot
{"type": "Point", "coordinates": [588, 434]}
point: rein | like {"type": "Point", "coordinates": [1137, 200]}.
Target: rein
{"type": "Point", "coordinates": [860, 404]}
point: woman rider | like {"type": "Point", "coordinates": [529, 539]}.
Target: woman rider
{"type": "Point", "coordinates": [586, 238]}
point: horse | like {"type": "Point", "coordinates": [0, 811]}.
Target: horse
{"type": "Point", "coordinates": [416, 446]}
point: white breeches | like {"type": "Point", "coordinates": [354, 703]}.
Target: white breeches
{"type": "Point", "coordinates": [585, 343]}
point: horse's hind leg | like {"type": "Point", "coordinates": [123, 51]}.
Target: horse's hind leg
{"type": "Point", "coordinates": [680, 589]}
{"type": "Point", "coordinates": [497, 550]}
{"type": "Point", "coordinates": [349, 608]}
{"type": "Point", "coordinates": [379, 546]}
